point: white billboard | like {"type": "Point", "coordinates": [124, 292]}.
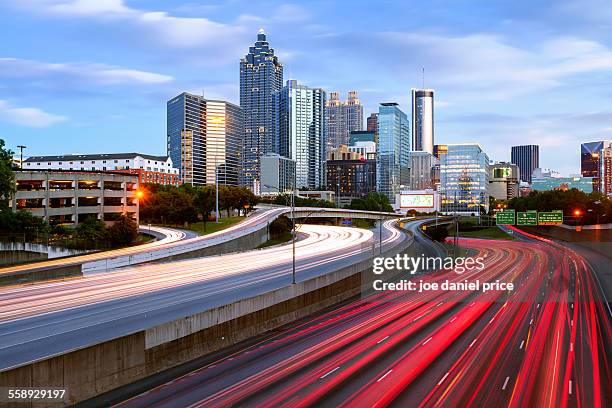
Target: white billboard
{"type": "Point", "coordinates": [417, 201]}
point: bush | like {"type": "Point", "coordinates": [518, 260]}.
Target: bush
{"type": "Point", "coordinates": [92, 232]}
{"type": "Point", "coordinates": [123, 232]}
{"type": "Point", "coordinates": [437, 233]}
{"type": "Point", "coordinates": [280, 226]}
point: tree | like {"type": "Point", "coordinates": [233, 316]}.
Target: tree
{"type": "Point", "coordinates": [92, 232]}
{"type": "Point", "coordinates": [123, 232]}
{"type": "Point", "coordinates": [7, 177]}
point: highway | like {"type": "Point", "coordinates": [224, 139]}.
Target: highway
{"type": "Point", "coordinates": [175, 240]}
{"type": "Point", "coordinates": [46, 319]}
{"type": "Point", "coordinates": [546, 344]}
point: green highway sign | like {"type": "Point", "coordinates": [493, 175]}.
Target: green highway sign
{"type": "Point", "coordinates": [527, 218]}
{"type": "Point", "coordinates": [506, 217]}
{"type": "Point", "coordinates": [550, 218]}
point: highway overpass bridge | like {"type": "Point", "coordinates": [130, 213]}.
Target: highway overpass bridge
{"type": "Point", "coordinates": [247, 234]}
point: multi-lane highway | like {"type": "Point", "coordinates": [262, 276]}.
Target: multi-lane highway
{"type": "Point", "coordinates": [546, 343]}
{"type": "Point", "coordinates": [45, 319]}
{"type": "Point", "coordinates": [174, 242]}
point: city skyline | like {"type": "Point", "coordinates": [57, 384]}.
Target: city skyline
{"type": "Point", "coordinates": [493, 87]}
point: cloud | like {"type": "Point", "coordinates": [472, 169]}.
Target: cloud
{"type": "Point", "coordinates": [160, 28]}
{"type": "Point", "coordinates": [91, 73]}
{"type": "Point", "coordinates": [558, 135]}
{"type": "Point", "coordinates": [493, 67]}
{"type": "Point", "coordinates": [30, 117]}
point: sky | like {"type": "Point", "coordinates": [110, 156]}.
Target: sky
{"type": "Point", "coordinates": [93, 76]}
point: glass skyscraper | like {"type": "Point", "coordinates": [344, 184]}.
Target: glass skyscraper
{"type": "Point", "coordinates": [592, 163]}
{"type": "Point", "coordinates": [464, 179]}
{"type": "Point", "coordinates": [261, 74]}
{"type": "Point", "coordinates": [204, 137]}
{"type": "Point", "coordinates": [527, 158]}
{"type": "Point", "coordinates": [423, 120]}
{"type": "Point", "coordinates": [300, 131]}
{"type": "Point", "coordinates": [393, 149]}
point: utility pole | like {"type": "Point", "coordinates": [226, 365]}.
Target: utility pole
{"type": "Point", "coordinates": [21, 147]}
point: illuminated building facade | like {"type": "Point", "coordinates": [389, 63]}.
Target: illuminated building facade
{"type": "Point", "coordinates": [592, 163]}
{"type": "Point", "coordinates": [204, 138]}
{"type": "Point", "coordinates": [464, 179]}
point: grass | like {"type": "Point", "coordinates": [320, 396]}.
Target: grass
{"type": "Point", "coordinates": [275, 241]}
{"type": "Point", "coordinates": [487, 233]}
{"type": "Point", "coordinates": [212, 226]}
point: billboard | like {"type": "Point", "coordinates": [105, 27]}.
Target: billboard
{"type": "Point", "coordinates": [417, 201]}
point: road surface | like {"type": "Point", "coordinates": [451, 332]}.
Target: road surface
{"type": "Point", "coordinates": [46, 319]}
{"type": "Point", "coordinates": [545, 343]}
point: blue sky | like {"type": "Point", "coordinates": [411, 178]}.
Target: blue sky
{"type": "Point", "coordinates": [84, 76]}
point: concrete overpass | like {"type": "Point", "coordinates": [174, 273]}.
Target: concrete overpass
{"type": "Point", "coordinates": [247, 234]}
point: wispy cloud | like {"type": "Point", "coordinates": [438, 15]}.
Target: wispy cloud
{"type": "Point", "coordinates": [93, 73]}
{"type": "Point", "coordinates": [161, 27]}
{"type": "Point", "coordinates": [28, 116]}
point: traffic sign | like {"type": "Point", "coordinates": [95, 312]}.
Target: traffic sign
{"type": "Point", "coordinates": [506, 217]}
{"type": "Point", "coordinates": [550, 218]}
{"type": "Point", "coordinates": [527, 218]}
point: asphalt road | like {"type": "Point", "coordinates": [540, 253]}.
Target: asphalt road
{"type": "Point", "coordinates": [46, 319]}
{"type": "Point", "coordinates": [545, 343]}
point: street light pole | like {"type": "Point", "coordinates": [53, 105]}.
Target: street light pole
{"type": "Point", "coordinates": [293, 280]}
{"type": "Point", "coordinates": [21, 147]}
{"type": "Point", "coordinates": [216, 193]}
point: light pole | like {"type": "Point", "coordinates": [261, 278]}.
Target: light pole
{"type": "Point", "coordinates": [21, 147]}
{"type": "Point", "coordinates": [216, 193]}
{"type": "Point", "coordinates": [292, 204]}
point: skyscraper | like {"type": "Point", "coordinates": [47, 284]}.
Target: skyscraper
{"type": "Point", "coordinates": [422, 166]}
{"type": "Point", "coordinates": [261, 74]}
{"type": "Point", "coordinates": [464, 179]}
{"type": "Point", "coordinates": [423, 120]}
{"type": "Point", "coordinates": [591, 161]}
{"type": "Point", "coordinates": [342, 117]}
{"type": "Point", "coordinates": [527, 158]}
{"type": "Point", "coordinates": [204, 139]}
{"type": "Point", "coordinates": [607, 172]}
{"type": "Point", "coordinates": [372, 123]}
{"type": "Point", "coordinates": [300, 130]}
{"type": "Point", "coordinates": [393, 169]}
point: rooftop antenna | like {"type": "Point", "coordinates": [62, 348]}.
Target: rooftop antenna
{"type": "Point", "coordinates": [423, 75]}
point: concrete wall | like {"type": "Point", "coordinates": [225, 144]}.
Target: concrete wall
{"type": "Point", "coordinates": [103, 367]}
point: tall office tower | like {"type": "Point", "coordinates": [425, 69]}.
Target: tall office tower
{"type": "Point", "coordinates": [342, 117]}
{"type": "Point", "coordinates": [607, 172]}
{"type": "Point", "coordinates": [261, 74]}
{"type": "Point", "coordinates": [204, 139]}
{"type": "Point", "coordinates": [423, 120]}
{"type": "Point", "coordinates": [372, 123]}
{"type": "Point", "coordinates": [300, 131]}
{"type": "Point", "coordinates": [335, 121]}
{"type": "Point", "coordinates": [591, 163]}
{"type": "Point", "coordinates": [422, 166]}
{"type": "Point", "coordinates": [464, 179]}
{"type": "Point", "coordinates": [527, 158]}
{"type": "Point", "coordinates": [393, 147]}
